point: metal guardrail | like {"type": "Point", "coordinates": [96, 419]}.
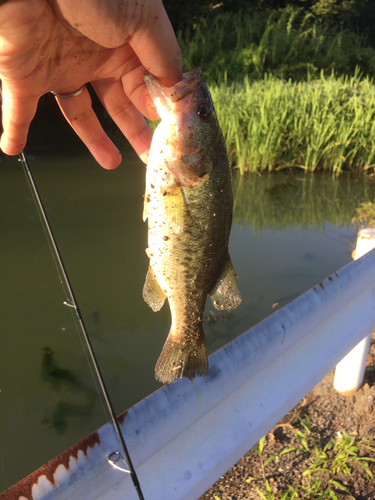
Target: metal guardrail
{"type": "Point", "coordinates": [186, 435]}
{"type": "Point", "coordinates": [351, 369]}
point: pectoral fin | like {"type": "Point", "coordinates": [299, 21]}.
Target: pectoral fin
{"type": "Point", "coordinates": [226, 294]}
{"type": "Point", "coordinates": [152, 293]}
{"type": "Point", "coordinates": [176, 208]}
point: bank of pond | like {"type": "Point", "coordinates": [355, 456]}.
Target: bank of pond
{"type": "Point", "coordinates": [290, 87]}
{"type": "Point", "coordinates": [273, 124]}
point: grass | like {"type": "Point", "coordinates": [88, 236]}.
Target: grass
{"type": "Point", "coordinates": [278, 101]}
{"type": "Point", "coordinates": [288, 90]}
{"type": "Point", "coordinates": [335, 456]}
{"type": "Point", "coordinates": [272, 124]}
{"type": "Point", "coordinates": [287, 43]}
{"type": "Point", "coordinates": [319, 480]}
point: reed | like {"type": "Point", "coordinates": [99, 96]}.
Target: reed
{"type": "Point", "coordinates": [286, 43]}
{"type": "Point", "coordinates": [273, 124]}
{"type": "Point", "coordinates": [288, 90]}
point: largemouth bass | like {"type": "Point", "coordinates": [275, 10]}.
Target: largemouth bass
{"type": "Point", "coordinates": [188, 203]}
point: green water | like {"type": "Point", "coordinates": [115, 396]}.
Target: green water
{"type": "Point", "coordinates": [289, 232]}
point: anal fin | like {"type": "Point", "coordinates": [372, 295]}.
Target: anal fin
{"type": "Point", "coordinates": [152, 292]}
{"type": "Point", "coordinates": [226, 294]}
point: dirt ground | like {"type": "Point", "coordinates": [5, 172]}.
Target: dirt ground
{"type": "Point", "coordinates": [331, 415]}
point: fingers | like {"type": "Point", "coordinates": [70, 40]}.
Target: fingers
{"type": "Point", "coordinates": [79, 113]}
{"type": "Point", "coordinates": [156, 46]}
{"type": "Point", "coordinates": [17, 114]}
{"type": "Point", "coordinates": [135, 88]}
{"type": "Point", "coordinates": [150, 36]}
{"type": "Point", "coordinates": [129, 120]}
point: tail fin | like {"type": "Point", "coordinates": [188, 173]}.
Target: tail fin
{"type": "Point", "coordinates": [182, 356]}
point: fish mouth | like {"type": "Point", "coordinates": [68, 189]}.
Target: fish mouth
{"type": "Point", "coordinates": [166, 96]}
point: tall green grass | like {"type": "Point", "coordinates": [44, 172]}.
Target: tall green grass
{"type": "Point", "coordinates": [274, 124]}
{"type": "Point", "coordinates": [287, 43]}
{"type": "Point", "coordinates": [287, 89]}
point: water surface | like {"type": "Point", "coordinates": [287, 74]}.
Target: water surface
{"type": "Point", "coordinates": [289, 233]}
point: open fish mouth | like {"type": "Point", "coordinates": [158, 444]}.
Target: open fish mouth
{"type": "Point", "coordinates": [166, 96]}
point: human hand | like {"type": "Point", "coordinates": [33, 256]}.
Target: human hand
{"type": "Point", "coordinates": [59, 45]}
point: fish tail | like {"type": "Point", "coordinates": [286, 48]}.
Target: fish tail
{"type": "Point", "coordinates": [182, 356]}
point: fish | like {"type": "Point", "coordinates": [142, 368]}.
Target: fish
{"type": "Point", "coordinates": [188, 203]}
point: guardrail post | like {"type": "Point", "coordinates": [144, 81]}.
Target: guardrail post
{"type": "Point", "coordinates": [351, 369]}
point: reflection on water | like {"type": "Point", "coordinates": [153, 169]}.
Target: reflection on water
{"type": "Point", "coordinates": [282, 201]}
{"type": "Point", "coordinates": [289, 232]}
{"type": "Point", "coordinates": [69, 396]}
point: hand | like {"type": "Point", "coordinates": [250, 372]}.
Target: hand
{"type": "Point", "coordinates": [59, 45]}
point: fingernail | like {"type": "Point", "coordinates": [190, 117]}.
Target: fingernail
{"type": "Point", "coordinates": [144, 157]}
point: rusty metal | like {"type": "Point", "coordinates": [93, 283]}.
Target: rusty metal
{"type": "Point", "coordinates": [24, 487]}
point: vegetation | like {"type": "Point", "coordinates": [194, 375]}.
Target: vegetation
{"type": "Point", "coordinates": [285, 43]}
{"type": "Point", "coordinates": [365, 214]}
{"type": "Point", "coordinates": [356, 15]}
{"type": "Point", "coordinates": [323, 464]}
{"type": "Point", "coordinates": [272, 124]}
{"type": "Point", "coordinates": [291, 79]}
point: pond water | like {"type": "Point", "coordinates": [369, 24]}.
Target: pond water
{"type": "Point", "coordinates": [289, 233]}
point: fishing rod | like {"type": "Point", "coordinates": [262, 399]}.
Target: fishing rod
{"type": "Point", "coordinates": [113, 458]}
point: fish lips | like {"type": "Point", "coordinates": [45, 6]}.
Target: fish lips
{"type": "Point", "coordinates": [167, 97]}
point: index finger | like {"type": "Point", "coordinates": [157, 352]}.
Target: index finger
{"type": "Point", "coordinates": [17, 114]}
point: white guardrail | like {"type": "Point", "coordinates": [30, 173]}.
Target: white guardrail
{"type": "Point", "coordinates": [186, 435]}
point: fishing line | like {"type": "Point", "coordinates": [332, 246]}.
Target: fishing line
{"type": "Point", "coordinates": [71, 302]}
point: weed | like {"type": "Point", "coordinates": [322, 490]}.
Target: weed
{"type": "Point", "coordinates": [272, 124]}
{"type": "Point", "coordinates": [325, 462]}
{"type": "Point", "coordinates": [365, 214]}
{"type": "Point", "coordinates": [285, 43]}
{"type": "Point", "coordinates": [268, 493]}
{"type": "Point", "coordinates": [276, 111]}
{"type": "Point", "coordinates": [336, 457]}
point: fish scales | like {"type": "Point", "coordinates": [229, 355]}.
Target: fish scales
{"type": "Point", "coordinates": [188, 203]}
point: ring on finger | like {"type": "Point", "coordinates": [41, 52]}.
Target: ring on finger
{"type": "Point", "coordinates": [67, 96]}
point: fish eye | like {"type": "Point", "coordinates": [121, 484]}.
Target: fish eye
{"type": "Point", "coordinates": [204, 111]}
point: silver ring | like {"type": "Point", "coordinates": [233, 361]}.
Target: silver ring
{"type": "Point", "coordinates": [67, 96]}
